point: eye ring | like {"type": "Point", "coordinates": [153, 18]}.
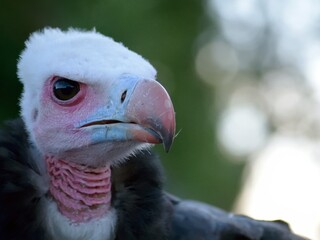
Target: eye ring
{"type": "Point", "coordinates": [65, 89]}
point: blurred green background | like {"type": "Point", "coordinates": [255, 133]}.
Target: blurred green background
{"type": "Point", "coordinates": [167, 33]}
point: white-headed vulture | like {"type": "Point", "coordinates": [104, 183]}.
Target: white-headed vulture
{"type": "Point", "coordinates": [78, 163]}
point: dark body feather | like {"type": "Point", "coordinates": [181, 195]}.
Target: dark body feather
{"type": "Point", "coordinates": [193, 220]}
{"type": "Point", "coordinates": [20, 199]}
{"type": "Point", "coordinates": [144, 210]}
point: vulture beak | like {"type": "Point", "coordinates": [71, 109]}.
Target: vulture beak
{"type": "Point", "coordinates": [138, 110]}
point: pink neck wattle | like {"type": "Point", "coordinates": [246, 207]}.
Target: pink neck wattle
{"type": "Point", "coordinates": [82, 193]}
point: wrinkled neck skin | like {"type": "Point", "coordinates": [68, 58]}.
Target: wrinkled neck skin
{"type": "Point", "coordinates": [82, 193]}
{"type": "Point", "coordinates": [80, 179]}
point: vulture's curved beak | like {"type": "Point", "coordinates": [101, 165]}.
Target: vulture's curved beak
{"type": "Point", "coordinates": [138, 110]}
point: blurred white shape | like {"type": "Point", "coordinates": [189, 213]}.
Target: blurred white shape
{"type": "Point", "coordinates": [285, 16]}
{"type": "Point", "coordinates": [294, 8]}
{"type": "Point", "coordinates": [275, 35]}
{"type": "Point", "coordinates": [294, 34]}
{"type": "Point", "coordinates": [242, 129]}
{"type": "Point", "coordinates": [282, 182]}
{"type": "Point", "coordinates": [311, 67]}
{"type": "Point", "coordinates": [215, 62]}
{"type": "Point", "coordinates": [237, 22]}
{"type": "Point", "coordinates": [236, 9]}
{"type": "Point", "coordinates": [287, 99]}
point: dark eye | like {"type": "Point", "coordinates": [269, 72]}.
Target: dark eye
{"type": "Point", "coordinates": [65, 89]}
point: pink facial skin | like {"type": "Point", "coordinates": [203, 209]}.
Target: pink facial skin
{"type": "Point", "coordinates": [113, 119]}
{"type": "Point", "coordinates": [54, 128]}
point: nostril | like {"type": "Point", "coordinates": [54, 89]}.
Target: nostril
{"type": "Point", "coordinates": [34, 114]}
{"type": "Point", "coordinates": [123, 96]}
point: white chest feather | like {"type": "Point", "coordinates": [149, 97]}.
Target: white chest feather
{"type": "Point", "coordinates": [62, 229]}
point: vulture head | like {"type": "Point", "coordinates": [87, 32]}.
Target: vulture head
{"type": "Point", "coordinates": [89, 103]}
{"type": "Point", "coordinates": [84, 91]}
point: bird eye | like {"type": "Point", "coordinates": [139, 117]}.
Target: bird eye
{"type": "Point", "coordinates": [65, 89]}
